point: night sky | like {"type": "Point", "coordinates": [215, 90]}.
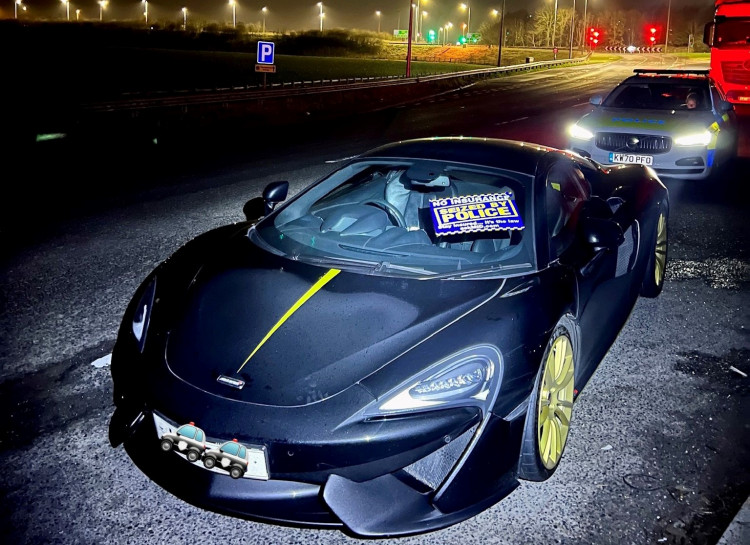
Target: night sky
{"type": "Point", "coordinates": [284, 15]}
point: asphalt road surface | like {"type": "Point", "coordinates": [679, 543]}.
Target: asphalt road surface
{"type": "Point", "coordinates": [659, 442]}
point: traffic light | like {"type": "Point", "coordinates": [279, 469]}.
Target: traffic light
{"type": "Point", "coordinates": [652, 34]}
{"type": "Point", "coordinates": [431, 36]}
{"type": "Point", "coordinates": [594, 37]}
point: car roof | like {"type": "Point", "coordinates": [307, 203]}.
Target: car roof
{"type": "Point", "coordinates": [512, 155]}
{"type": "Point", "coordinates": [668, 76]}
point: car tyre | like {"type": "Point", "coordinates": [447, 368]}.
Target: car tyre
{"type": "Point", "coordinates": [653, 281]}
{"type": "Point", "coordinates": [550, 408]}
{"type": "Point", "coordinates": [166, 445]}
{"type": "Point", "coordinates": [209, 462]}
{"type": "Point", "coordinates": [193, 455]}
{"type": "Point", "coordinates": [236, 472]}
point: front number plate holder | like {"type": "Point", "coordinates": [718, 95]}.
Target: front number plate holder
{"type": "Point", "coordinates": [631, 159]}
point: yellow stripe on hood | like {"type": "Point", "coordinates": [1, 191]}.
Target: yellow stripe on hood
{"type": "Point", "coordinates": [322, 281]}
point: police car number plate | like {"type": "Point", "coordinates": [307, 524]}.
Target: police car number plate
{"type": "Point", "coordinates": [630, 159]}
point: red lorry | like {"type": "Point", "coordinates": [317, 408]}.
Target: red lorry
{"type": "Point", "coordinates": [728, 36]}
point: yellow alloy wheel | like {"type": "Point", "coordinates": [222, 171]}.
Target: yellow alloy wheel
{"type": "Point", "coordinates": [555, 402]}
{"type": "Point", "coordinates": [661, 250]}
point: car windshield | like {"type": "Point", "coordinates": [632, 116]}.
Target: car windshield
{"type": "Point", "coordinates": [646, 95]}
{"type": "Point", "coordinates": [732, 32]}
{"type": "Point", "coordinates": [231, 448]}
{"type": "Point", "coordinates": [409, 217]}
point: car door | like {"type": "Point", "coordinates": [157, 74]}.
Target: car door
{"type": "Point", "coordinates": [603, 273]}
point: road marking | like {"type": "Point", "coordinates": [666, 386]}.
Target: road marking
{"type": "Point", "coordinates": [512, 121]}
{"type": "Point", "coordinates": [104, 361]}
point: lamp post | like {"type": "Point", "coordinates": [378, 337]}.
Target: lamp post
{"type": "Point", "coordinates": [467, 7]}
{"type": "Point", "coordinates": [572, 26]}
{"type": "Point", "coordinates": [448, 25]}
{"type": "Point", "coordinates": [233, 3]}
{"type": "Point", "coordinates": [67, 8]}
{"type": "Point", "coordinates": [320, 5]}
{"type": "Point", "coordinates": [554, 25]}
{"type": "Point", "coordinates": [15, 8]}
{"type": "Point", "coordinates": [102, 5]}
{"type": "Point", "coordinates": [78, 14]}
{"type": "Point", "coordinates": [666, 35]}
{"type": "Point", "coordinates": [145, 11]}
{"type": "Point", "coordinates": [501, 37]}
{"type": "Point", "coordinates": [378, 15]}
{"type": "Point", "coordinates": [184, 18]}
{"type": "Point", "coordinates": [422, 15]}
{"type": "Point", "coordinates": [264, 10]}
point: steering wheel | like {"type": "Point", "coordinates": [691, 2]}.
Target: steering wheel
{"type": "Point", "coordinates": [391, 210]}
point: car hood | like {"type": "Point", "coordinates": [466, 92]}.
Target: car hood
{"type": "Point", "coordinates": [296, 333]}
{"type": "Point", "coordinates": [671, 122]}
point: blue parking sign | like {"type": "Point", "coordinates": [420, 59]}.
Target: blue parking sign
{"type": "Point", "coordinates": [265, 52]}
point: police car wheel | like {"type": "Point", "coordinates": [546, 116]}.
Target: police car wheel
{"type": "Point", "coordinates": [209, 461]}
{"type": "Point", "coordinates": [236, 472]}
{"type": "Point", "coordinates": [193, 455]}
{"type": "Point", "coordinates": [166, 445]}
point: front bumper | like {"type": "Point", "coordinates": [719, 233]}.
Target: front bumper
{"type": "Point", "coordinates": [437, 489]}
{"type": "Point", "coordinates": [685, 163]}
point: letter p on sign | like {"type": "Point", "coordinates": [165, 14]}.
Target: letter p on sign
{"type": "Point", "coordinates": [265, 52]}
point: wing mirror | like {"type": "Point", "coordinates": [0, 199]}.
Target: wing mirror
{"type": "Point", "coordinates": [725, 106]}
{"type": "Point", "coordinates": [602, 233]}
{"type": "Point", "coordinates": [596, 100]}
{"type": "Point", "coordinates": [273, 194]}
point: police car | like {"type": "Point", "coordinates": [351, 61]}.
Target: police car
{"type": "Point", "coordinates": [674, 121]}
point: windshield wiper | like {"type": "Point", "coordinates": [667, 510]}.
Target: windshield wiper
{"type": "Point", "coordinates": [358, 264]}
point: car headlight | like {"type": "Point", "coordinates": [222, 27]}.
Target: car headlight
{"type": "Point", "coordinates": [696, 139]}
{"type": "Point", "coordinates": [142, 314]}
{"type": "Point", "coordinates": [468, 377]}
{"type": "Point", "coordinates": [576, 131]}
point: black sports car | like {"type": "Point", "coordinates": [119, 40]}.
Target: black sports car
{"type": "Point", "coordinates": [395, 347]}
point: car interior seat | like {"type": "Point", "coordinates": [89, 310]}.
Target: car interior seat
{"type": "Point", "coordinates": [410, 191]}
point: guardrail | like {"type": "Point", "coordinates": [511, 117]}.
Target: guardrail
{"type": "Point", "coordinates": [184, 98]}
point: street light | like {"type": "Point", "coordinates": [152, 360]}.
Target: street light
{"type": "Point", "coordinates": [378, 14]}
{"type": "Point", "coordinates": [15, 8]}
{"type": "Point", "coordinates": [448, 25]}
{"type": "Point", "coordinates": [67, 8]}
{"type": "Point", "coordinates": [417, 8]}
{"type": "Point", "coordinates": [468, 22]}
{"type": "Point", "coordinates": [233, 3]}
{"type": "Point", "coordinates": [554, 25]}
{"type": "Point", "coordinates": [102, 5]}
{"type": "Point", "coordinates": [501, 37]}
{"type": "Point", "coordinates": [184, 18]}
{"type": "Point", "coordinates": [78, 14]}
{"type": "Point", "coordinates": [320, 5]}
{"type": "Point", "coordinates": [145, 12]}
{"type": "Point", "coordinates": [264, 10]}
{"type": "Point", "coordinates": [422, 15]}
{"type": "Point", "coordinates": [572, 26]}
{"type": "Point", "coordinates": [666, 36]}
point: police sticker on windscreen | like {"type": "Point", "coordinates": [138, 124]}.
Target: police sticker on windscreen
{"type": "Point", "coordinates": [475, 214]}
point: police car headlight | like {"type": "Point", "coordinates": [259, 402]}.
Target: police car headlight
{"type": "Point", "coordinates": [576, 131]}
{"type": "Point", "coordinates": [695, 139]}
